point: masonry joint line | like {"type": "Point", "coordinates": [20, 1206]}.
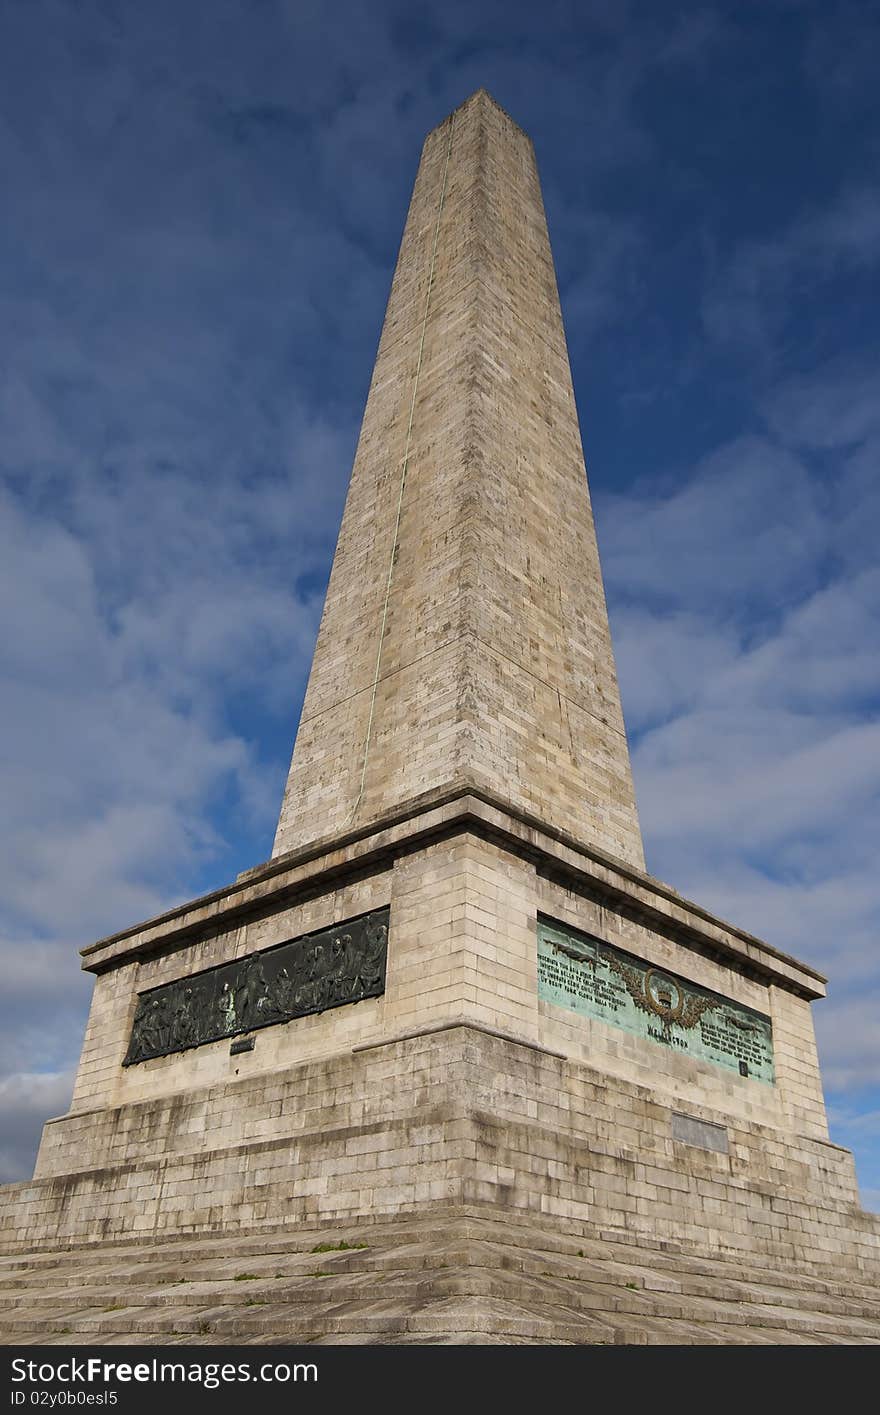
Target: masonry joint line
{"type": "Point", "coordinates": [404, 468]}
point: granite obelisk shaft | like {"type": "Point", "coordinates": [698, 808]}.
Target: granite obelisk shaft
{"type": "Point", "coordinates": [464, 638]}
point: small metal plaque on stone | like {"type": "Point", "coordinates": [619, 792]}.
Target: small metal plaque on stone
{"type": "Point", "coordinates": [590, 977]}
{"type": "Point", "coordinates": [339, 965]}
{"type": "Point", "coordinates": [705, 1134]}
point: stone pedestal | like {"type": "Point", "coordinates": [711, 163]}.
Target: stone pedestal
{"type": "Point", "coordinates": [459, 1084]}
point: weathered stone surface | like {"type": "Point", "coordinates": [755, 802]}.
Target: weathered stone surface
{"type": "Point", "coordinates": [464, 639]}
{"type": "Point", "coordinates": [465, 884]}
{"type": "Point", "coordinates": [457, 1115]}
{"type": "Point", "coordinates": [461, 1276]}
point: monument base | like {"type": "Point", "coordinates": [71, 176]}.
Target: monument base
{"type": "Point", "coordinates": [452, 1276]}
{"type": "Point", "coordinates": [465, 1086]}
{"type": "Point", "coordinates": [451, 1187]}
{"type": "Point", "coordinates": [455, 1115]}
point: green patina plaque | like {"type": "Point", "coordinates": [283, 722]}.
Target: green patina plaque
{"type": "Point", "coordinates": [588, 976]}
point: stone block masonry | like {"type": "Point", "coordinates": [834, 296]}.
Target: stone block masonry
{"type": "Point", "coordinates": [455, 1116]}
{"type": "Point", "coordinates": [457, 1086]}
{"type": "Point", "coordinates": [464, 639]}
{"type": "Point", "coordinates": [465, 880]}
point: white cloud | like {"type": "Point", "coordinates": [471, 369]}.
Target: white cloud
{"type": "Point", "coordinates": [144, 614]}
{"type": "Point", "coordinates": [26, 1100]}
{"type": "Point", "coordinates": [746, 623]}
{"type": "Point", "coordinates": [743, 530]}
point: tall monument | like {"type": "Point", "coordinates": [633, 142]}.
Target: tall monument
{"type": "Point", "coordinates": [464, 640]}
{"type": "Point", "coordinates": [453, 989]}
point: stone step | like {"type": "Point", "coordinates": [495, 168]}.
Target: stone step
{"type": "Point", "coordinates": [477, 1320]}
{"type": "Point", "coordinates": [309, 1313]}
{"type": "Point", "coordinates": [474, 1277]}
{"type": "Point", "coordinates": [617, 1287]}
{"type": "Point", "coordinates": [153, 1262]}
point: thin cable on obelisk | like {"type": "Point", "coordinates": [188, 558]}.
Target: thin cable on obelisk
{"type": "Point", "coordinates": [405, 465]}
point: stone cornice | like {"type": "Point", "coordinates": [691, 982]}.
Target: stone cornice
{"type": "Point", "coordinates": [461, 808]}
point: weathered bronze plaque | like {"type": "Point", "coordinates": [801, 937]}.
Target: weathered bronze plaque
{"type": "Point", "coordinates": [345, 963]}
{"type": "Point", "coordinates": [588, 976]}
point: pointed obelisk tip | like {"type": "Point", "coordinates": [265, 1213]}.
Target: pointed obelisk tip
{"type": "Point", "coordinates": [482, 95]}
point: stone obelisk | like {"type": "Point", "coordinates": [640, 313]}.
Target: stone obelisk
{"type": "Point", "coordinates": [464, 640]}
{"type": "Point", "coordinates": [453, 989]}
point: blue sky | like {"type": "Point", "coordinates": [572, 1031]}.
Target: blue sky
{"type": "Point", "coordinates": [202, 207]}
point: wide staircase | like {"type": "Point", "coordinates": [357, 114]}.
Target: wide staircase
{"type": "Point", "coordinates": [464, 1277]}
